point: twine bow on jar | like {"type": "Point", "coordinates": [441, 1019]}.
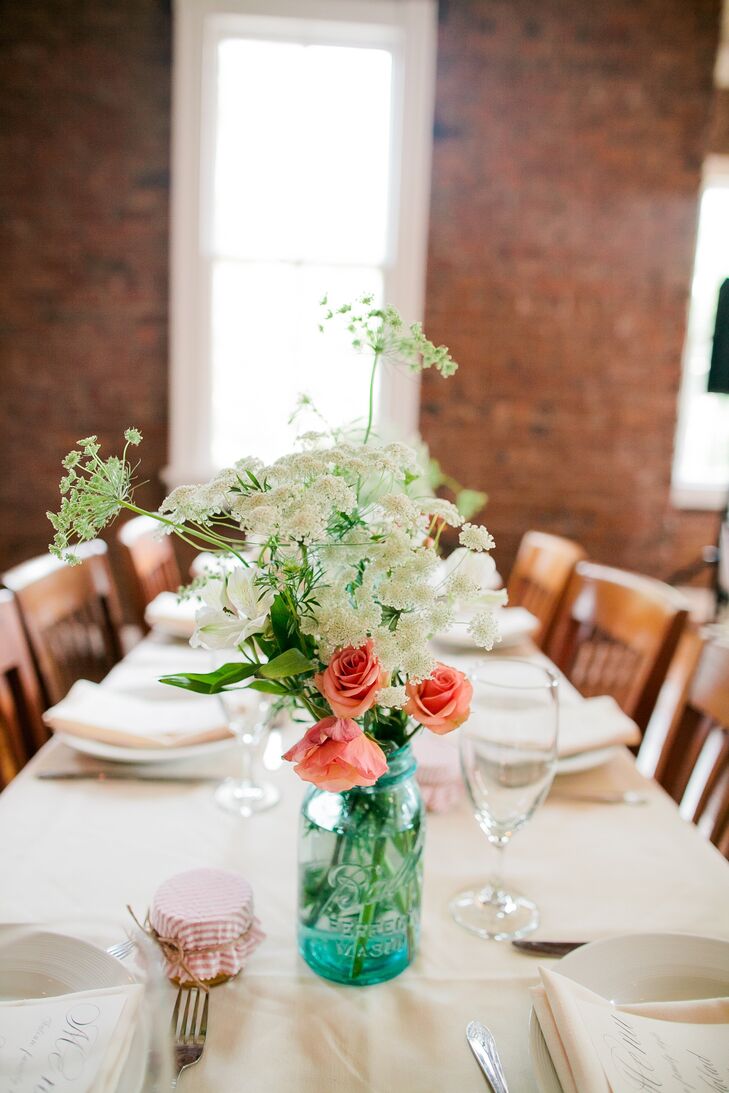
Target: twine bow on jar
{"type": "Point", "coordinates": [176, 954]}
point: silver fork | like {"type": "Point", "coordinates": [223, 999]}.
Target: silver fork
{"type": "Point", "coordinates": [121, 949]}
{"type": "Point", "coordinates": [187, 1032]}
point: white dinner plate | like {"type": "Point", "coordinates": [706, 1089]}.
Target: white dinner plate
{"type": "Point", "coordinates": [638, 968]}
{"type": "Point", "coordinates": [43, 964]}
{"type": "Point", "coordinates": [118, 754]}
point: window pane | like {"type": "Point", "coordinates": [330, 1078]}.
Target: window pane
{"type": "Point", "coordinates": [704, 447]}
{"type": "Point", "coordinates": [302, 152]}
{"type": "Point", "coordinates": [267, 349]}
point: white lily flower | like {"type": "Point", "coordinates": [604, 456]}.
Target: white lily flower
{"type": "Point", "coordinates": [234, 610]}
{"type": "Point", "coordinates": [212, 594]}
{"type": "Point", "coordinates": [251, 602]}
{"type": "Point", "coordinates": [216, 630]}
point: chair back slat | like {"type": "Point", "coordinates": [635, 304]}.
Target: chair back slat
{"type": "Point", "coordinates": [701, 746]}
{"type": "Point", "coordinates": [150, 560]}
{"type": "Point", "coordinates": [615, 633]}
{"type": "Point", "coordinates": [542, 569]}
{"type": "Point", "coordinates": [71, 616]}
{"type": "Point", "coordinates": [662, 751]}
{"type": "Point", "coordinates": [21, 724]}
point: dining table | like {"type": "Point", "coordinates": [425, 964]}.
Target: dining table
{"type": "Point", "coordinates": [78, 848]}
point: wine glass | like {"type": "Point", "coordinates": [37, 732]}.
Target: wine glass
{"type": "Point", "coordinates": [248, 714]}
{"type": "Point", "coordinates": [508, 757]}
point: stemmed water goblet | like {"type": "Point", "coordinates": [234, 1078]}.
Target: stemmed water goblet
{"type": "Point", "coordinates": [249, 716]}
{"type": "Point", "coordinates": [508, 757]}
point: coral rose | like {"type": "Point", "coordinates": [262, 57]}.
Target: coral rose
{"type": "Point", "coordinates": [441, 703]}
{"type": "Point", "coordinates": [336, 755]}
{"type": "Point", "coordinates": [351, 680]}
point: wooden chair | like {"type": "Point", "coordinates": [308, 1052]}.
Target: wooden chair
{"type": "Point", "coordinates": [71, 617]}
{"type": "Point", "coordinates": [21, 725]}
{"type": "Point", "coordinates": [615, 633]}
{"type": "Point", "coordinates": [151, 562]}
{"type": "Point", "coordinates": [543, 566]}
{"type": "Point", "coordinates": [701, 747]}
{"type": "Point", "coordinates": [660, 754]}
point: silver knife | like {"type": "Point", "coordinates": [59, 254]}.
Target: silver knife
{"type": "Point", "coordinates": [121, 776]}
{"type": "Point", "coordinates": [547, 948]}
{"type": "Point", "coordinates": [482, 1044]}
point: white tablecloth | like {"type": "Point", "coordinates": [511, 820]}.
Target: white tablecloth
{"type": "Point", "coordinates": [80, 848]}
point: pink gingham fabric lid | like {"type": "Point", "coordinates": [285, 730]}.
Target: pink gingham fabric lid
{"type": "Point", "coordinates": [205, 924]}
{"type": "Point", "coordinates": [438, 771]}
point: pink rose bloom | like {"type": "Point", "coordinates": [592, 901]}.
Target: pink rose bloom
{"type": "Point", "coordinates": [351, 680]}
{"type": "Point", "coordinates": [336, 755]}
{"type": "Point", "coordinates": [441, 703]}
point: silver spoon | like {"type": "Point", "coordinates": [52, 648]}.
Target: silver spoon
{"type": "Point", "coordinates": [482, 1044]}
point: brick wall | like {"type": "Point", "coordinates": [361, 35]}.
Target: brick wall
{"type": "Point", "coordinates": [84, 142]}
{"type": "Point", "coordinates": [569, 138]}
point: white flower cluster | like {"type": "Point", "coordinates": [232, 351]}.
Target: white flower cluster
{"type": "Point", "coordinates": [342, 518]}
{"type": "Point", "coordinates": [394, 698]}
{"type": "Point", "coordinates": [476, 537]}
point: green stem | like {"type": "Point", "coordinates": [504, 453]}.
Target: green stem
{"type": "Point", "coordinates": [325, 892]}
{"type": "Point", "coordinates": [206, 537]}
{"type": "Point", "coordinates": [404, 842]}
{"type": "Point", "coordinates": [409, 735]}
{"type": "Point", "coordinates": [371, 408]}
{"type": "Point", "coordinates": [369, 909]}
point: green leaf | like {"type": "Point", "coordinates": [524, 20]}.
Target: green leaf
{"type": "Point", "coordinates": [268, 648]}
{"type": "Point", "coordinates": [284, 626]}
{"type": "Point", "coordinates": [469, 502]}
{"type": "Point", "coordinates": [211, 683]}
{"type": "Point", "coordinates": [291, 663]}
{"type": "Point", "coordinates": [267, 686]}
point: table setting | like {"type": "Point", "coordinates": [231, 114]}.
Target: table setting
{"type": "Point", "coordinates": [290, 816]}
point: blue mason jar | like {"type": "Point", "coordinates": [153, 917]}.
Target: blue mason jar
{"type": "Point", "coordinates": [361, 876]}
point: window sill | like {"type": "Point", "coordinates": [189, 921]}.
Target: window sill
{"type": "Point", "coordinates": [699, 498]}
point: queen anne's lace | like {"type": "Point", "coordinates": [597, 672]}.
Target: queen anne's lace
{"type": "Point", "coordinates": [476, 537]}
{"type": "Point", "coordinates": [334, 545]}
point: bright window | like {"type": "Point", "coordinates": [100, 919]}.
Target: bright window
{"type": "Point", "coordinates": [701, 467]}
{"type": "Point", "coordinates": [302, 154]}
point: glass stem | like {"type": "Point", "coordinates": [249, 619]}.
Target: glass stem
{"type": "Point", "coordinates": [499, 869]}
{"type": "Point", "coordinates": [246, 764]}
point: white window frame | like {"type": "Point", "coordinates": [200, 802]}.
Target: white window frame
{"type": "Point", "coordinates": [695, 495]}
{"type": "Point", "coordinates": [197, 26]}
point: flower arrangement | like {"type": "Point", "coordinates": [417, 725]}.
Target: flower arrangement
{"type": "Point", "coordinates": [335, 587]}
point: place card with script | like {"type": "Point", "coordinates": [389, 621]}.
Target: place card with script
{"type": "Point", "coordinates": [655, 1056]}
{"type": "Point", "coordinates": [75, 1042]}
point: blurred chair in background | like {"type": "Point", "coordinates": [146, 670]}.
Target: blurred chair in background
{"type": "Point", "coordinates": [71, 617]}
{"type": "Point", "coordinates": [543, 566]}
{"type": "Point", "coordinates": [615, 633]}
{"type": "Point", "coordinates": [150, 560]}
{"type": "Point", "coordinates": [702, 746]}
{"type": "Point", "coordinates": [660, 752]}
{"type": "Point", "coordinates": [21, 726]}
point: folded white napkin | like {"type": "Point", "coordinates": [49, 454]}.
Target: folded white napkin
{"type": "Point", "coordinates": [585, 724]}
{"type": "Point", "coordinates": [169, 615]}
{"type": "Point", "coordinates": [100, 713]}
{"type": "Point", "coordinates": [589, 724]}
{"type": "Point", "coordinates": [559, 1005]}
{"type": "Point", "coordinates": [479, 567]}
{"type": "Point", "coordinates": [80, 1040]}
{"type": "Point", "coordinates": [516, 625]}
